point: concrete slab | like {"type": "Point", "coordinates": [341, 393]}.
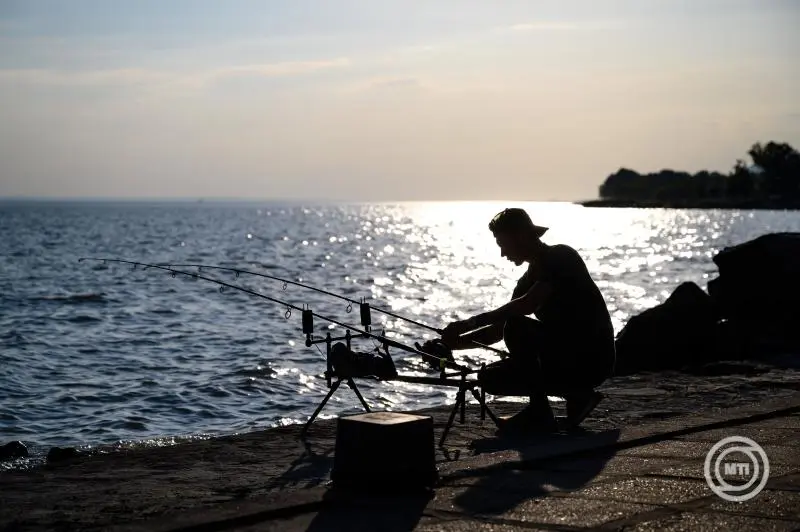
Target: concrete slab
{"type": "Point", "coordinates": [390, 515]}
{"type": "Point", "coordinates": [625, 465]}
{"type": "Point", "coordinates": [697, 450]}
{"type": "Point", "coordinates": [714, 521]}
{"type": "Point", "coordinates": [763, 435]}
{"type": "Point", "coordinates": [477, 501]}
{"type": "Point", "coordinates": [529, 482]}
{"type": "Point", "coordinates": [462, 525]}
{"type": "Point", "coordinates": [694, 469]}
{"type": "Point", "coordinates": [646, 490]}
{"type": "Point", "coordinates": [535, 510]}
{"type": "Point", "coordinates": [574, 512]}
{"type": "Point", "coordinates": [768, 503]}
{"type": "Point", "coordinates": [786, 423]}
{"type": "Point", "coordinates": [508, 453]}
{"type": "Point", "coordinates": [789, 482]}
{"type": "Point", "coordinates": [666, 466]}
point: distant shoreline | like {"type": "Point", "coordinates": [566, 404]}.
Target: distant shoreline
{"type": "Point", "coordinates": [694, 204]}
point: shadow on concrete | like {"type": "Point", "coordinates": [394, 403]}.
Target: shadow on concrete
{"type": "Point", "coordinates": [498, 488]}
{"type": "Point", "coordinates": [396, 512]}
{"type": "Point", "coordinates": [308, 470]}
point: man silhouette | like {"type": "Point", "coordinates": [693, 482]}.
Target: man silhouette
{"type": "Point", "coordinates": [566, 351]}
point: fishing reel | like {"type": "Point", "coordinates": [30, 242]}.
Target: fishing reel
{"type": "Point", "coordinates": [347, 363]}
{"type": "Point", "coordinates": [435, 353]}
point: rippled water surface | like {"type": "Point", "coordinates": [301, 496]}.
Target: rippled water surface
{"type": "Point", "coordinates": [94, 353]}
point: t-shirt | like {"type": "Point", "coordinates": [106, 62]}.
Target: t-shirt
{"type": "Point", "coordinates": [575, 312]}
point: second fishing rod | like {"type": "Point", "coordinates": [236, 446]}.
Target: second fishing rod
{"type": "Point", "coordinates": [241, 271]}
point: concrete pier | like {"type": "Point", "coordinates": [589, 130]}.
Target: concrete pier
{"type": "Point", "coordinates": [647, 476]}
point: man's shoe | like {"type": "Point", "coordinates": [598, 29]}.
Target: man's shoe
{"type": "Point", "coordinates": [528, 421]}
{"type": "Point", "coordinates": [579, 406]}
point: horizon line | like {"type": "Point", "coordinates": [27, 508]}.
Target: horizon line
{"type": "Point", "coordinates": [210, 199]}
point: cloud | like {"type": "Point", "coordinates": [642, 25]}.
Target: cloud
{"type": "Point", "coordinates": [387, 85]}
{"type": "Point", "coordinates": [420, 48]}
{"type": "Point", "coordinates": [281, 69]}
{"type": "Point", "coordinates": [555, 25]}
{"type": "Point", "coordinates": [82, 78]}
{"type": "Point", "coordinates": [543, 26]}
{"type": "Point", "coordinates": [154, 78]}
{"type": "Point", "coordinates": [132, 76]}
{"type": "Point", "coordinates": [395, 83]}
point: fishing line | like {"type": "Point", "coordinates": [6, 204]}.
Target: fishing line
{"type": "Point", "coordinates": [289, 306]}
{"type": "Point", "coordinates": [351, 301]}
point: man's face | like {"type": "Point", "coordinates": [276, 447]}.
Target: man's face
{"type": "Point", "coordinates": [510, 247]}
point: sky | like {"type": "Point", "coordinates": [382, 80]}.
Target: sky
{"type": "Point", "coordinates": [385, 100]}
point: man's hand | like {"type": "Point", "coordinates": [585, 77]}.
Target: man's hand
{"type": "Point", "coordinates": [438, 350]}
{"type": "Point", "coordinates": [455, 329]}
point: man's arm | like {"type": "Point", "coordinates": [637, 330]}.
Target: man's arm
{"type": "Point", "coordinates": [488, 335]}
{"type": "Point", "coordinates": [521, 306]}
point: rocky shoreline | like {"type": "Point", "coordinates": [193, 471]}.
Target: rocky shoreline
{"type": "Point", "coordinates": [746, 312]}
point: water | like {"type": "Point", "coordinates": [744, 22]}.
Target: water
{"type": "Point", "coordinates": [94, 354]}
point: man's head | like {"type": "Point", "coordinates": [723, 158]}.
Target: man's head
{"type": "Point", "coordinates": [517, 236]}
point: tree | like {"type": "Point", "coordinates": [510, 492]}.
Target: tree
{"type": "Point", "coordinates": [741, 182]}
{"type": "Point", "coordinates": [781, 165]}
{"type": "Point", "coordinates": [623, 184]}
{"type": "Point", "coordinates": [776, 176]}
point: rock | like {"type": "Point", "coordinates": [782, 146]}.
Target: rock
{"type": "Point", "coordinates": [758, 288]}
{"type": "Point", "coordinates": [12, 451]}
{"type": "Point", "coordinates": [60, 454]}
{"type": "Point", "coordinates": [750, 311]}
{"type": "Point", "coordinates": [680, 331]}
{"type": "Point", "coordinates": [765, 256]}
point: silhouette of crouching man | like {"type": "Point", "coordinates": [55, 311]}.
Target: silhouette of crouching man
{"type": "Point", "coordinates": [567, 350]}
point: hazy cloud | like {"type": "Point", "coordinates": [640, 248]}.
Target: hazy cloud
{"type": "Point", "coordinates": [395, 83]}
{"type": "Point", "coordinates": [139, 77]}
{"type": "Point", "coordinates": [543, 26]}
{"type": "Point", "coordinates": [282, 69]}
{"type": "Point", "coordinates": [82, 78]}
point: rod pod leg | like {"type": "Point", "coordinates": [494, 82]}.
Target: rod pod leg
{"type": "Point", "coordinates": [351, 383]}
{"type": "Point", "coordinates": [320, 407]}
{"type": "Point", "coordinates": [460, 400]}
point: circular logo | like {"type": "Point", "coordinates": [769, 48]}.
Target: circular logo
{"type": "Point", "coordinates": [736, 468]}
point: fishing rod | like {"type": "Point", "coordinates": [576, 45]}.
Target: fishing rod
{"type": "Point", "coordinates": [351, 301]}
{"type": "Point", "coordinates": [307, 314]}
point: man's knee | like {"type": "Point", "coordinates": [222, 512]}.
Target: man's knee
{"type": "Point", "coordinates": [509, 377]}
{"type": "Point", "coordinates": [519, 327]}
{"type": "Point", "coordinates": [521, 333]}
{"type": "Point", "coordinates": [516, 323]}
